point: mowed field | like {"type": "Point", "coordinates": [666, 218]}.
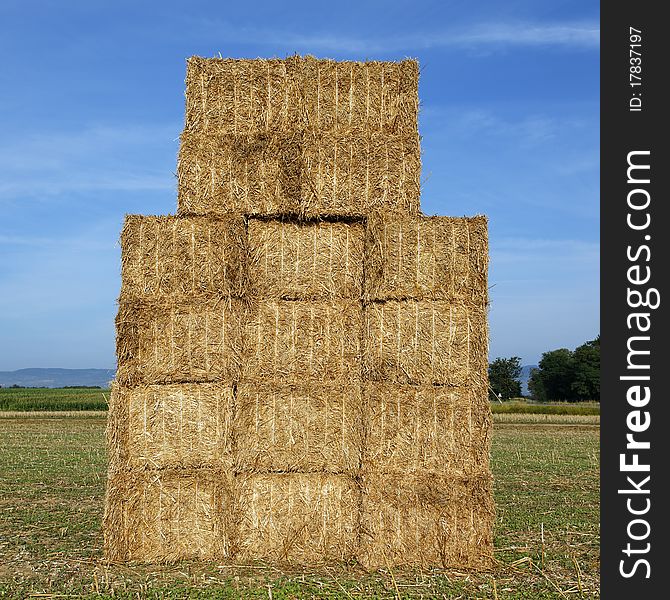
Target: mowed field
{"type": "Point", "coordinates": [52, 480]}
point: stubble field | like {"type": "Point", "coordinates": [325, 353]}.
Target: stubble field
{"type": "Point", "coordinates": [52, 480]}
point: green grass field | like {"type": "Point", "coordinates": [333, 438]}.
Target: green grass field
{"type": "Point", "coordinates": [32, 399]}
{"type": "Point", "coordinates": [52, 479]}
{"type": "Point", "coordinates": [557, 408]}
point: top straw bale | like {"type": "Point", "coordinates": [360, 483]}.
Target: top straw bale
{"type": "Point", "coordinates": [375, 95]}
{"type": "Point", "coordinates": [237, 96]}
{"type": "Point", "coordinates": [240, 96]}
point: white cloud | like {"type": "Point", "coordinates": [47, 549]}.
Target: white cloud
{"type": "Point", "coordinates": [539, 126]}
{"type": "Point", "coordinates": [43, 243]}
{"type": "Point", "coordinates": [97, 158]}
{"type": "Point", "coordinates": [576, 35]}
{"type": "Point", "coordinates": [531, 129]}
{"type": "Point", "coordinates": [578, 165]}
{"type": "Point", "coordinates": [517, 253]}
{"type": "Point", "coordinates": [550, 245]}
{"type": "Point", "coordinates": [569, 35]}
{"type": "Point", "coordinates": [55, 185]}
{"type": "Point", "coordinates": [20, 240]}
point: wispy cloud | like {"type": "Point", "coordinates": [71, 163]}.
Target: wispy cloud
{"type": "Point", "coordinates": [523, 268]}
{"type": "Point", "coordinates": [96, 158]}
{"type": "Point", "coordinates": [571, 254]}
{"type": "Point", "coordinates": [575, 35]}
{"type": "Point", "coordinates": [23, 240]}
{"type": "Point", "coordinates": [529, 129]}
{"type": "Point", "coordinates": [579, 165]}
{"type": "Point", "coordinates": [539, 165]}
{"type": "Point", "coordinates": [45, 243]}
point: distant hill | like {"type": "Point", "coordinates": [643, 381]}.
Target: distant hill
{"type": "Point", "coordinates": [51, 378]}
{"type": "Point", "coordinates": [525, 375]}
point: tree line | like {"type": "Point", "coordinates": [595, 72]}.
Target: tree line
{"type": "Point", "coordinates": [567, 375]}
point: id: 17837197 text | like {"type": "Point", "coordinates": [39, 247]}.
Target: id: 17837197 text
{"type": "Point", "coordinates": [635, 69]}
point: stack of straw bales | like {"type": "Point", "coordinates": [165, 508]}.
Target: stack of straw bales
{"type": "Point", "coordinates": [425, 464]}
{"type": "Point", "coordinates": [301, 355]}
{"type": "Point", "coordinates": [301, 136]}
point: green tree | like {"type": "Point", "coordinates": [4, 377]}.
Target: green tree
{"type": "Point", "coordinates": [568, 375]}
{"type": "Point", "coordinates": [536, 386]}
{"type": "Point", "coordinates": [586, 377]}
{"type": "Point", "coordinates": [557, 369]}
{"type": "Point", "coordinates": [504, 374]}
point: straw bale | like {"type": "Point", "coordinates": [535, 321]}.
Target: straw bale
{"type": "Point", "coordinates": [307, 260]}
{"type": "Point", "coordinates": [411, 429]}
{"type": "Point", "coordinates": [303, 518]}
{"type": "Point", "coordinates": [184, 425]}
{"type": "Point", "coordinates": [171, 258]}
{"type": "Point", "coordinates": [179, 343]}
{"type": "Point", "coordinates": [252, 96]}
{"type": "Point", "coordinates": [417, 341]}
{"type": "Point", "coordinates": [306, 174]}
{"type": "Point", "coordinates": [375, 96]}
{"type": "Point", "coordinates": [298, 341]}
{"type": "Point", "coordinates": [116, 433]}
{"type": "Point", "coordinates": [298, 427]}
{"type": "Point", "coordinates": [439, 258]}
{"type": "Point", "coordinates": [252, 174]}
{"type": "Point", "coordinates": [426, 520]}
{"type": "Point", "coordinates": [237, 96]}
{"type": "Point", "coordinates": [355, 174]}
{"type": "Point", "coordinates": [168, 515]}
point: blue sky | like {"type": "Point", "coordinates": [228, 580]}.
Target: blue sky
{"type": "Point", "coordinates": [92, 104]}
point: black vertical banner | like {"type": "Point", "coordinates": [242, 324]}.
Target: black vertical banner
{"type": "Point", "coordinates": [635, 347]}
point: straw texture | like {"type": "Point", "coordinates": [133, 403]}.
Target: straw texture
{"type": "Point", "coordinates": [168, 515]}
{"type": "Point", "coordinates": [308, 174]}
{"type": "Point", "coordinates": [244, 174]}
{"type": "Point", "coordinates": [433, 342]}
{"type": "Point", "coordinates": [375, 96]}
{"type": "Point", "coordinates": [237, 96]}
{"type": "Point", "coordinates": [313, 260]}
{"type": "Point", "coordinates": [301, 136]}
{"type": "Point", "coordinates": [295, 341]}
{"type": "Point", "coordinates": [353, 175]}
{"type": "Point", "coordinates": [116, 432]}
{"type": "Point", "coordinates": [431, 258]}
{"type": "Point", "coordinates": [298, 427]}
{"type": "Point", "coordinates": [415, 429]}
{"type": "Point", "coordinates": [426, 520]}
{"type": "Point", "coordinates": [304, 518]}
{"type": "Point", "coordinates": [179, 425]}
{"type": "Point", "coordinates": [179, 343]}
{"type": "Point", "coordinates": [168, 258]}
{"type": "Point", "coordinates": [227, 96]}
